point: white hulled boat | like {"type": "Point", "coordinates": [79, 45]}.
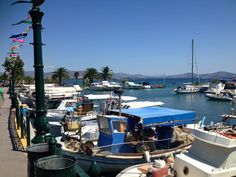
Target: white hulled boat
{"type": "Point", "coordinates": [213, 154]}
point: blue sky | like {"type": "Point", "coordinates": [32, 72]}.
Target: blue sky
{"type": "Point", "coordinates": [149, 37]}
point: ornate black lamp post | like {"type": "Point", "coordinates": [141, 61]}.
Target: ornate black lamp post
{"type": "Point", "coordinates": [41, 122]}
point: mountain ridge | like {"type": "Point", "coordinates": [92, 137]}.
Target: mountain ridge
{"type": "Point", "coordinates": [120, 76]}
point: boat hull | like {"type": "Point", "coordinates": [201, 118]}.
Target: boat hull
{"type": "Point", "coordinates": [218, 97]}
{"type": "Point", "coordinates": [113, 164]}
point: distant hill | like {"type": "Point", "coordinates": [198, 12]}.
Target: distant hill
{"type": "Point", "coordinates": [121, 76]}
{"type": "Point", "coordinates": [220, 75]}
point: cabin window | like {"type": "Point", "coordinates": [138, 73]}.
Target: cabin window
{"type": "Point", "coordinates": [103, 125]}
{"type": "Point", "coordinates": [119, 126]}
{"type": "Point", "coordinates": [53, 104]}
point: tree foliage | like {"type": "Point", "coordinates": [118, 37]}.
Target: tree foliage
{"type": "Point", "coordinates": [60, 74]}
{"type": "Point", "coordinates": [91, 74]}
{"type": "Point", "coordinates": [16, 65]}
{"type": "Point", "coordinates": [106, 73]}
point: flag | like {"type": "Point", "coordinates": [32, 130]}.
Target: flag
{"type": "Point", "coordinates": [26, 21]}
{"type": "Point", "coordinates": [16, 43]}
{"type": "Point", "coordinates": [13, 55]}
{"type": "Point", "coordinates": [18, 40]}
{"type": "Point", "coordinates": [19, 36]}
{"type": "Point", "coordinates": [15, 47]}
{"type": "Point", "coordinates": [18, 2]}
{"type": "Point", "coordinates": [16, 36]}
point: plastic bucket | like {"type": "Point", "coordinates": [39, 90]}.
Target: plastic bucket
{"type": "Point", "coordinates": [56, 166]}
{"type": "Point", "coordinates": [34, 153]}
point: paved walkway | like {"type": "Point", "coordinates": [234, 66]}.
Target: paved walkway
{"type": "Point", "coordinates": [12, 163]}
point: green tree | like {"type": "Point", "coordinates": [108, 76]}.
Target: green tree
{"type": "Point", "coordinates": [76, 75]}
{"type": "Point", "coordinates": [106, 73]}
{"type": "Point", "coordinates": [60, 74]}
{"type": "Point", "coordinates": [16, 65]}
{"type": "Point", "coordinates": [91, 74]}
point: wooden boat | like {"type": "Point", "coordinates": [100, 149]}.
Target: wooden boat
{"type": "Point", "coordinates": [128, 137]}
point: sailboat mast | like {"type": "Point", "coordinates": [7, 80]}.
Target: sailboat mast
{"type": "Point", "coordinates": [192, 59]}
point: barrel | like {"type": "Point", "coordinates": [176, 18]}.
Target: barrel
{"type": "Point", "coordinates": [35, 152]}
{"type": "Point", "coordinates": [56, 165]}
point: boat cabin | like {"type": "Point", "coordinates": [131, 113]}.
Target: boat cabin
{"type": "Point", "coordinates": [119, 131]}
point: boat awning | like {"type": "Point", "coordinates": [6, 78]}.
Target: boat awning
{"type": "Point", "coordinates": [160, 116]}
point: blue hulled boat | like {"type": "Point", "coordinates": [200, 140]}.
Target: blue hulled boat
{"type": "Point", "coordinates": [131, 136]}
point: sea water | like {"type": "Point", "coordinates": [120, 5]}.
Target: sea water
{"type": "Point", "coordinates": [197, 102]}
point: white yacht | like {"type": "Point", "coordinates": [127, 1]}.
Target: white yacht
{"type": "Point", "coordinates": [104, 86]}
{"type": "Point", "coordinates": [132, 85]}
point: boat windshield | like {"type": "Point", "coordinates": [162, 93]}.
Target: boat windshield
{"type": "Point", "coordinates": [103, 125]}
{"type": "Point", "coordinates": [53, 104]}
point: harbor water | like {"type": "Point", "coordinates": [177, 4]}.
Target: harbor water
{"type": "Point", "coordinates": [197, 102]}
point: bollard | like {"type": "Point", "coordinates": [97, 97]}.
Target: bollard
{"type": "Point", "coordinates": [59, 166]}
{"type": "Point", "coordinates": [21, 123]}
{"type": "Point", "coordinates": [28, 129]}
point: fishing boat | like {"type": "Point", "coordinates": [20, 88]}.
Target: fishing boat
{"type": "Point", "coordinates": [211, 155]}
{"type": "Point", "coordinates": [187, 88]}
{"type": "Point", "coordinates": [130, 136]}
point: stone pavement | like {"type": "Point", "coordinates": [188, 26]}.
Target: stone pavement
{"type": "Point", "coordinates": [13, 163]}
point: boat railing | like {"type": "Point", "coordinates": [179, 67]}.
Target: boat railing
{"type": "Point", "coordinates": [139, 147]}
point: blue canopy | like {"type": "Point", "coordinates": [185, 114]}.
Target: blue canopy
{"type": "Point", "coordinates": [161, 115]}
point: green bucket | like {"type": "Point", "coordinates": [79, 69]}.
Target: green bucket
{"type": "Point", "coordinates": [35, 152]}
{"type": "Point", "coordinates": [58, 166]}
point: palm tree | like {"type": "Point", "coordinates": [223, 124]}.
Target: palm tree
{"type": "Point", "coordinates": [106, 73]}
{"type": "Point", "coordinates": [76, 75]}
{"type": "Point", "coordinates": [60, 74]}
{"type": "Point", "coordinates": [91, 74]}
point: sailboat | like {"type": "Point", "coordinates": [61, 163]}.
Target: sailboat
{"type": "Point", "coordinates": [188, 87]}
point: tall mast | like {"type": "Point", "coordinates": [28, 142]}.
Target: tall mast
{"type": "Point", "coordinates": [192, 59]}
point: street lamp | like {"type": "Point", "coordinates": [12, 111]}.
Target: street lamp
{"type": "Point", "coordinates": [41, 123]}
